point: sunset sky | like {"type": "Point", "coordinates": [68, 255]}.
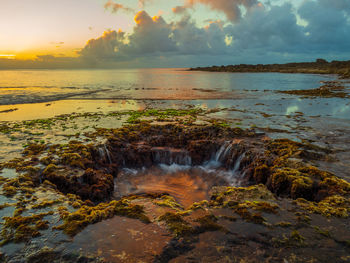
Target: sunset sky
{"type": "Point", "coordinates": [172, 33]}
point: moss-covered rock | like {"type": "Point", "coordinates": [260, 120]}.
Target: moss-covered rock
{"type": "Point", "coordinates": [176, 224]}
{"type": "Point", "coordinates": [22, 228]}
{"type": "Point", "coordinates": [76, 221]}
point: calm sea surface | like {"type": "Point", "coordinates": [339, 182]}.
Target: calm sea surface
{"type": "Point", "coordinates": [45, 85]}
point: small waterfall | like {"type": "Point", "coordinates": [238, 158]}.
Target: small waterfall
{"type": "Point", "coordinates": [108, 154]}
{"type": "Point", "coordinates": [225, 163]}
{"type": "Point", "coordinates": [170, 156]}
{"type": "Point", "coordinates": [219, 153]}
{"type": "Point", "coordinates": [234, 175]}
{"type": "Point", "coordinates": [227, 150]}
{"type": "Point", "coordinates": [103, 152]}
{"type": "Point", "coordinates": [238, 163]}
{"type": "Point", "coordinates": [223, 151]}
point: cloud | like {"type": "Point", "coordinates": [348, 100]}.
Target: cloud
{"type": "Point", "coordinates": [115, 7]}
{"type": "Point", "coordinates": [231, 8]}
{"type": "Point", "coordinates": [263, 34]}
{"type": "Point", "coordinates": [142, 3]}
{"type": "Point", "coordinates": [57, 43]}
{"type": "Point", "coordinates": [191, 39]}
{"type": "Point", "coordinates": [151, 34]}
{"type": "Point", "coordinates": [105, 47]}
{"type": "Point", "coordinates": [266, 34]}
{"type": "Point", "coordinates": [273, 29]}
{"type": "Point", "coordinates": [179, 9]}
{"type": "Point", "coordinates": [328, 24]}
{"type": "Point", "coordinates": [43, 62]}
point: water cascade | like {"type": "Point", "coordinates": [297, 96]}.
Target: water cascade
{"type": "Point", "coordinates": [172, 171]}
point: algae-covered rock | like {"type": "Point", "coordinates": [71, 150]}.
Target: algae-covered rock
{"type": "Point", "coordinates": [176, 224]}
{"type": "Point", "coordinates": [22, 228]}
{"type": "Point", "coordinates": [76, 221]}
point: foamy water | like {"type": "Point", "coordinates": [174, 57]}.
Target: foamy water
{"type": "Point", "coordinates": [178, 178]}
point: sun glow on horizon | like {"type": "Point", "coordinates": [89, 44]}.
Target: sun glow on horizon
{"type": "Point", "coordinates": [8, 56]}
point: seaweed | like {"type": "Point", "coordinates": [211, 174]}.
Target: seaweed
{"type": "Point", "coordinates": [176, 224]}
{"type": "Point", "coordinates": [74, 222]}
{"type": "Point", "coordinates": [22, 228]}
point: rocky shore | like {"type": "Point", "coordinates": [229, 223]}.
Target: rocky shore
{"type": "Point", "coordinates": [282, 208]}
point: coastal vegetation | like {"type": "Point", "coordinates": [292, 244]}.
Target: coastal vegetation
{"type": "Point", "coordinates": [320, 66]}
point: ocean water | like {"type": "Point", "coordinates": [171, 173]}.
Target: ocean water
{"type": "Point", "coordinates": [28, 86]}
{"type": "Point", "coordinates": [91, 90]}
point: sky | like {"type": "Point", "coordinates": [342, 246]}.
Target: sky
{"type": "Point", "coordinates": [170, 33]}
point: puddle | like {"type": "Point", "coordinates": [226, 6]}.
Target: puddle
{"type": "Point", "coordinates": [122, 240]}
{"type": "Point", "coordinates": [8, 173]}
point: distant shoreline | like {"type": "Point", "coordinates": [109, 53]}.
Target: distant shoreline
{"type": "Point", "coordinates": [320, 66]}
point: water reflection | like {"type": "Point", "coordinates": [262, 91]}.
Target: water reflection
{"type": "Point", "coordinates": [187, 185]}
{"type": "Point", "coordinates": [49, 110]}
{"type": "Point", "coordinates": [45, 85]}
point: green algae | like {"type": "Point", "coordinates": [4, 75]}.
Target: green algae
{"type": "Point", "coordinates": [50, 169]}
{"type": "Point", "coordinates": [34, 149]}
{"type": "Point", "coordinates": [176, 224]}
{"type": "Point", "coordinates": [22, 183]}
{"type": "Point", "coordinates": [248, 216]}
{"type": "Point", "coordinates": [288, 178]}
{"type": "Point", "coordinates": [238, 194]}
{"type": "Point", "coordinates": [5, 129]}
{"type": "Point", "coordinates": [251, 204]}
{"type": "Point", "coordinates": [295, 239]}
{"type": "Point", "coordinates": [74, 222]}
{"type": "Point", "coordinates": [247, 202]}
{"type": "Point", "coordinates": [22, 228]}
{"type": "Point", "coordinates": [72, 159]}
{"type": "Point", "coordinates": [168, 201]}
{"type": "Point", "coordinates": [283, 224]}
{"type": "Point", "coordinates": [324, 92]}
{"type": "Point", "coordinates": [2, 206]}
{"type": "Point", "coordinates": [160, 115]}
{"type": "Point", "coordinates": [209, 223]}
{"type": "Point", "coordinates": [45, 204]}
{"type": "Point", "coordinates": [322, 232]}
{"type": "Point", "coordinates": [335, 205]}
{"type": "Point", "coordinates": [199, 205]}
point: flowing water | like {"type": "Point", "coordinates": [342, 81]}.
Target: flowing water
{"type": "Point", "coordinates": [173, 174]}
